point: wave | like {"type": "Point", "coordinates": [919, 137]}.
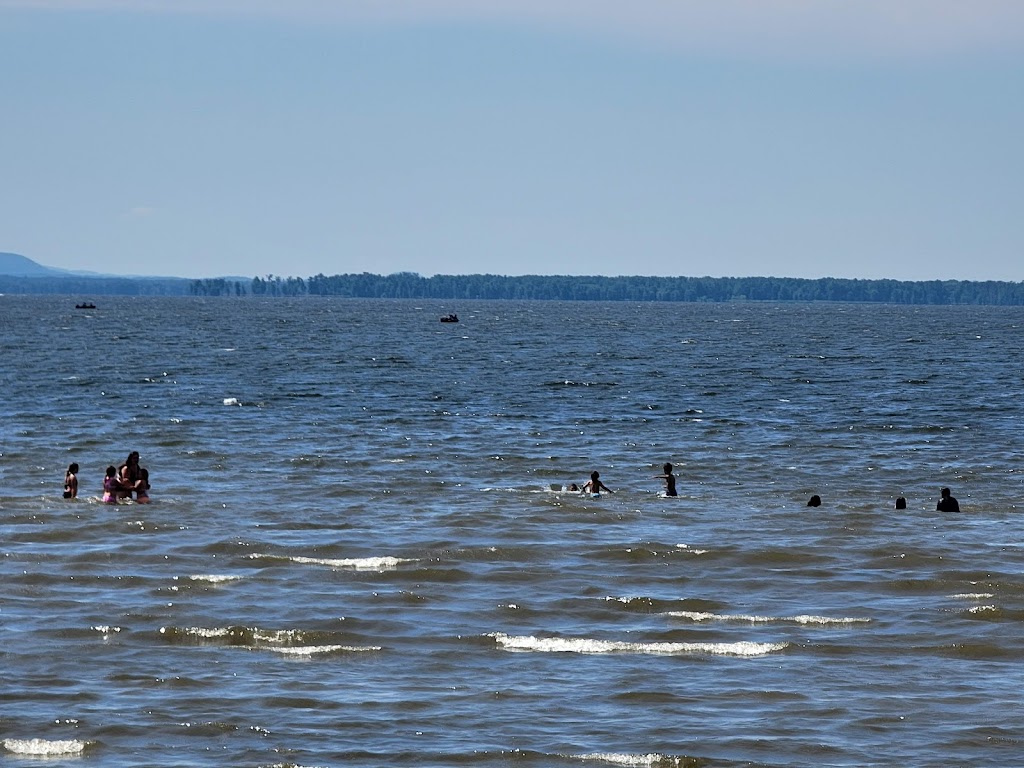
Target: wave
{"type": "Point", "coordinates": [701, 616]}
{"type": "Point", "coordinates": [354, 563]}
{"type": "Point", "coordinates": [653, 760]}
{"type": "Point", "coordinates": [972, 596]}
{"type": "Point", "coordinates": [213, 578]}
{"type": "Point", "coordinates": [45, 747]}
{"type": "Point", "coordinates": [644, 604]}
{"type": "Point", "coordinates": [290, 642]}
{"type": "Point", "coordinates": [529, 643]}
{"type": "Point", "coordinates": [317, 650]}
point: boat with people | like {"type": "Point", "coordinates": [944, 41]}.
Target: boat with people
{"type": "Point", "coordinates": [450, 318]}
{"type": "Point", "coordinates": [86, 305]}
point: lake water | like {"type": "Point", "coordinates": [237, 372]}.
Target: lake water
{"type": "Point", "coordinates": [354, 555]}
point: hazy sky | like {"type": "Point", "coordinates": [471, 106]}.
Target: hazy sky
{"type": "Point", "coordinates": [799, 138]}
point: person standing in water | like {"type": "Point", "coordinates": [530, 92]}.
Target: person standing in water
{"type": "Point", "coordinates": [947, 503]}
{"type": "Point", "coordinates": [669, 478]}
{"type": "Point", "coordinates": [71, 482]}
{"type": "Point", "coordinates": [111, 487]}
{"type": "Point", "coordinates": [594, 486]}
{"type": "Point", "coordinates": [142, 486]}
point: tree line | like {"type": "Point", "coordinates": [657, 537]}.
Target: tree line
{"type": "Point", "coordinates": [409, 285]}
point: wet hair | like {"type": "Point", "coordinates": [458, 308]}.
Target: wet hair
{"type": "Point", "coordinates": [72, 469]}
{"type": "Point", "coordinates": [111, 471]}
{"type": "Point", "coordinates": [131, 465]}
{"type": "Point", "coordinates": [667, 468]}
{"type": "Point", "coordinates": [594, 475]}
{"type": "Point", "coordinates": [901, 503]}
{"type": "Point", "coordinates": [944, 492]}
{"type": "Point", "coordinates": [814, 501]}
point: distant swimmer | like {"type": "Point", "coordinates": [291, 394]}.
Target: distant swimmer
{"type": "Point", "coordinates": [111, 488]}
{"type": "Point", "coordinates": [901, 503]}
{"type": "Point", "coordinates": [814, 501]}
{"type": "Point", "coordinates": [669, 478]}
{"type": "Point", "coordinates": [946, 502]}
{"type": "Point", "coordinates": [71, 482]}
{"type": "Point", "coordinates": [594, 486]}
{"type": "Point", "coordinates": [573, 488]}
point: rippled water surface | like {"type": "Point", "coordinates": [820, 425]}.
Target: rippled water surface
{"type": "Point", "coordinates": [359, 554]}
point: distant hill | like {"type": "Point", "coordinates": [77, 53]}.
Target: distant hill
{"type": "Point", "coordinates": [21, 275]}
{"type": "Point", "coordinates": [16, 265]}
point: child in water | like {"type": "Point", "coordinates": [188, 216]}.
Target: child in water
{"type": "Point", "coordinates": [71, 482]}
{"type": "Point", "coordinates": [111, 486]}
{"type": "Point", "coordinates": [595, 486]}
{"type": "Point", "coordinates": [142, 487]}
{"type": "Point", "coordinates": [669, 478]}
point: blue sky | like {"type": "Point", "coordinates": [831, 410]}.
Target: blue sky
{"type": "Point", "coordinates": [800, 138]}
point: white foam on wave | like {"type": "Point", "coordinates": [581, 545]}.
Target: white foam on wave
{"type": "Point", "coordinates": [982, 609]}
{"type": "Point", "coordinates": [214, 579]}
{"type": "Point", "coordinates": [313, 650]}
{"type": "Point", "coordinates": [617, 758]}
{"type": "Point", "coordinates": [45, 747]}
{"type": "Point", "coordinates": [231, 401]}
{"type": "Point", "coordinates": [972, 596]}
{"type": "Point", "coordinates": [355, 563]}
{"type": "Point", "coordinates": [529, 643]}
{"type": "Point", "coordinates": [691, 551]}
{"type": "Point", "coordinates": [202, 632]}
{"type": "Point", "coordinates": [701, 616]}
{"type": "Point", "coordinates": [284, 641]}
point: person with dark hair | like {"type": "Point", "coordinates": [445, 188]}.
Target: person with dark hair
{"type": "Point", "coordinates": [111, 488]}
{"type": "Point", "coordinates": [901, 502]}
{"type": "Point", "coordinates": [142, 486]}
{"type": "Point", "coordinates": [669, 478]}
{"type": "Point", "coordinates": [947, 503]}
{"type": "Point", "coordinates": [814, 501]}
{"type": "Point", "coordinates": [71, 482]}
{"type": "Point", "coordinates": [594, 486]}
{"type": "Point", "coordinates": [128, 474]}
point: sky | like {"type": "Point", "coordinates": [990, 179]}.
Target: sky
{"type": "Point", "coordinates": [791, 138]}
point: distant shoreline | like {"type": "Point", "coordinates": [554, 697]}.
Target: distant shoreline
{"type": "Point", "coordinates": [451, 288]}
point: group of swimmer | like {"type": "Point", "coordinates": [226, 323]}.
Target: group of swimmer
{"type": "Point", "coordinates": [946, 503]}
{"type": "Point", "coordinates": [118, 483]}
{"type": "Point", "coordinates": [594, 486]}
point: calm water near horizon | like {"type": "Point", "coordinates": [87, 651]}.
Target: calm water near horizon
{"type": "Point", "coordinates": [356, 554]}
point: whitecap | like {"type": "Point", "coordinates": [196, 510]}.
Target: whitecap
{"type": "Point", "coordinates": [529, 643]}
{"type": "Point", "coordinates": [691, 551]}
{"type": "Point", "coordinates": [313, 650]}
{"type": "Point", "coordinates": [44, 747]}
{"type": "Point", "coordinates": [982, 609]}
{"type": "Point", "coordinates": [214, 579]}
{"type": "Point", "coordinates": [231, 401]}
{"type": "Point", "coordinates": [616, 758]}
{"type": "Point", "coordinates": [701, 616]}
{"type": "Point", "coordinates": [355, 563]}
{"type": "Point", "coordinates": [203, 632]}
{"type": "Point", "coordinates": [973, 596]}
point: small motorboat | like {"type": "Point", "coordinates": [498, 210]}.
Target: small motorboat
{"type": "Point", "coordinates": [87, 305]}
{"type": "Point", "coordinates": [452, 318]}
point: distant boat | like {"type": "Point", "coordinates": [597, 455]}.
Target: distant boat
{"type": "Point", "coordinates": [452, 318]}
{"type": "Point", "coordinates": [88, 305]}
